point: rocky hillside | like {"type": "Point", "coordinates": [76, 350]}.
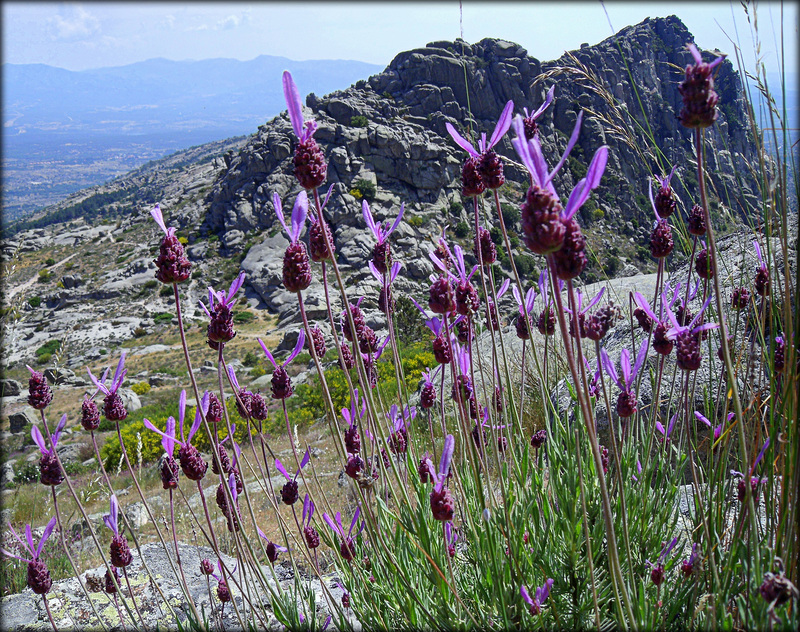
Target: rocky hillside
{"type": "Point", "coordinates": [385, 139]}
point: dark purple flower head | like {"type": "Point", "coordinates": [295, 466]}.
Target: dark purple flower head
{"type": "Point", "coordinates": [49, 469]}
{"type": "Point", "coordinates": [530, 152]}
{"type": "Point", "coordinates": [740, 298]}
{"type": "Point", "coordinates": [310, 167]}
{"type": "Point", "coordinates": [220, 326]}
{"type": "Point", "coordinates": [531, 127]}
{"type": "Point", "coordinates": [777, 589]}
{"type": "Point", "coordinates": [113, 408]}
{"type": "Point", "coordinates": [664, 202]}
{"type": "Point", "coordinates": [272, 548]}
{"type": "Point", "coordinates": [317, 233]}
{"type": "Point", "coordinates": [385, 300]}
{"type": "Point", "coordinates": [281, 383]}
{"type": "Point", "coordinates": [346, 547]}
{"type": "Point", "coordinates": [581, 309]}
{"type": "Point", "coordinates": [542, 593]}
{"type": "Point", "coordinates": [352, 417]}
{"type": "Point", "coordinates": [697, 90]}
{"type": "Point", "coordinates": [317, 342]}
{"type": "Point", "coordinates": [206, 567]}
{"type": "Point", "coordinates": [779, 359]}
{"type": "Point", "coordinates": [289, 493]}
{"type": "Point", "coordinates": [687, 567]}
{"type": "Point", "coordinates": [539, 438]}
{"type": "Point", "coordinates": [762, 274]}
{"type": "Point", "coordinates": [704, 263]}
{"type": "Point", "coordinates": [381, 254]}
{"type": "Point", "coordinates": [688, 338]}
{"type": "Point", "coordinates": [657, 568]}
{"type": "Point", "coordinates": [398, 428]}
{"type": "Point", "coordinates": [696, 221]}
{"type": "Point", "coordinates": [525, 307]}
{"type": "Point", "coordinates": [90, 415]}
{"type": "Point", "coordinates": [193, 466]}
{"type": "Point", "coordinates": [485, 167]}
{"type": "Point", "coordinates": [661, 242]}
{"type": "Point", "coordinates": [309, 532]}
{"type": "Point", "coordinates": [39, 392]}
{"type": "Point", "coordinates": [442, 503]}
{"type": "Point", "coordinates": [483, 247]}
{"type": "Point", "coordinates": [570, 260]}
{"type": "Point", "coordinates": [172, 264]}
{"type": "Point", "coordinates": [120, 552]}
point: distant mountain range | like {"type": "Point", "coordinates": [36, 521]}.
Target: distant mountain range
{"type": "Point", "coordinates": [65, 130]}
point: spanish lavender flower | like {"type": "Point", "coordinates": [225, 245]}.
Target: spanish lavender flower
{"type": "Point", "coordinates": [762, 274]}
{"type": "Point", "coordinates": [39, 580]}
{"type": "Point", "coordinates": [657, 569]}
{"type": "Point", "coordinates": [666, 432]}
{"type": "Point", "coordinates": [110, 587]}
{"type": "Point", "coordinates": [358, 320]}
{"type": "Point", "coordinates": [626, 402]}
{"type": "Point", "coordinates": [531, 127]}
{"type": "Point", "coordinates": [398, 429]}
{"type": "Point", "coordinates": [370, 360]}
{"type": "Point", "coordinates": [696, 221]}
{"type": "Point", "coordinates": [466, 296]}
{"type": "Point", "coordinates": [697, 90]}
{"type": "Point", "coordinates": [310, 167]}
{"type": "Point", "coordinates": [192, 464]}
{"type": "Point", "coordinates": [777, 589]}
{"type": "Point", "coordinates": [440, 297]}
{"type": "Point", "coordinates": [577, 321]}
{"type": "Point", "coordinates": [289, 493]}
{"type": "Point", "coordinates": [220, 326]}
{"type": "Point", "coordinates": [309, 532]}
{"type": "Point", "coordinates": [492, 320]}
{"type": "Point", "coordinates": [755, 481]}
{"type": "Point", "coordinates": [661, 243]}
{"type": "Point", "coordinates": [317, 341]}
{"type": "Point", "coordinates": [296, 267]}
{"type": "Point", "coordinates": [172, 264]}
{"type": "Point", "coordinates": [231, 513]}
{"type": "Point", "coordinates": [425, 468]}
{"type": "Point", "coordinates": [281, 382]}
{"type": "Point", "coordinates": [687, 567]}
{"type": "Point", "coordinates": [486, 164]}
{"type": "Point", "coordinates": [258, 407]}
{"type": "Point", "coordinates": [317, 232]}
{"type": "Point", "coordinates": [461, 390]}
{"type": "Point", "coordinates": [90, 415]}
{"type": "Point", "coordinates": [113, 408]}
{"type": "Point", "coordinates": [39, 392]}
{"type": "Point", "coordinates": [354, 466]}
{"type": "Point", "coordinates": [347, 357]}
{"type": "Point", "coordinates": [601, 321]}
{"type": "Point", "coordinates": [352, 440]}
{"type": "Point", "coordinates": [168, 465]}
{"type": "Point", "coordinates": [463, 330]}
{"type": "Point", "coordinates": [546, 226]}
{"type": "Point", "coordinates": [717, 430]}
{"type": "Point", "coordinates": [688, 339]}
{"type": "Point", "coordinates": [662, 343]}
{"type": "Point", "coordinates": [664, 203]}
{"type": "Point", "coordinates": [272, 548]}
{"type": "Point", "coordinates": [346, 540]}
{"type": "Point", "coordinates": [483, 247]}
{"type": "Point", "coordinates": [49, 469]}
{"type": "Point", "coordinates": [521, 324]}
{"type": "Point", "coordinates": [441, 345]}
{"type": "Point", "coordinates": [385, 299]}
{"type": "Point", "coordinates": [206, 568]}
{"type": "Point", "coordinates": [223, 592]}
{"type": "Point", "coordinates": [540, 596]}
{"type": "Point", "coordinates": [120, 552]}
{"type": "Point", "coordinates": [594, 382]}
{"type": "Point", "coordinates": [604, 459]}
{"type": "Point", "coordinates": [539, 438]}
{"type": "Point", "coordinates": [450, 538]}
{"type": "Point", "coordinates": [703, 263]}
{"type": "Point", "coordinates": [740, 298]}
{"type": "Point", "coordinates": [427, 398]}
{"type": "Point", "coordinates": [442, 503]}
{"type": "Point", "coordinates": [382, 252]}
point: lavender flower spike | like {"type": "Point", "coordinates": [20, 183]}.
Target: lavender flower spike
{"type": "Point", "coordinates": [665, 433]}
{"type": "Point", "coordinates": [541, 595]}
{"type": "Point", "coordinates": [299, 214]}
{"type": "Point", "coordinates": [531, 127]}
{"type": "Point", "coordinates": [281, 382]}
{"type": "Point", "coordinates": [346, 539]}
{"type": "Point", "coordinates": [28, 547]}
{"type": "Point", "coordinates": [289, 492]}
{"type": "Point", "coordinates": [302, 129]}
{"type": "Point", "coordinates": [49, 469]}
{"type": "Point", "coordinates": [503, 123]}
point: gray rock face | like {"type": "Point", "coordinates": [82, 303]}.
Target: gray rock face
{"type": "Point", "coordinates": [25, 611]}
{"type": "Point", "coordinates": [9, 388]}
{"type": "Point", "coordinates": [20, 419]}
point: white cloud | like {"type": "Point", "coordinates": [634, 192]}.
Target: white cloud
{"type": "Point", "coordinates": [74, 22]}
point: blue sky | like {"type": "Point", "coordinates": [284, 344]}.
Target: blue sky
{"type": "Point", "coordinates": [78, 36]}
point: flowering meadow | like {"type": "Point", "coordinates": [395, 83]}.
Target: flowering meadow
{"type": "Point", "coordinates": [469, 514]}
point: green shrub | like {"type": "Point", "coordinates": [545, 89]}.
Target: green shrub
{"type": "Point", "coordinates": [139, 332]}
{"type": "Point", "coordinates": [455, 207]}
{"type": "Point", "coordinates": [162, 318]}
{"type": "Point", "coordinates": [496, 234]}
{"type": "Point", "coordinates": [598, 214]}
{"type": "Point", "coordinates": [141, 388]}
{"type": "Point", "coordinates": [365, 189]}
{"type": "Point", "coordinates": [417, 221]}
{"type": "Point", "coordinates": [359, 120]}
{"type": "Point", "coordinates": [258, 371]}
{"type": "Point", "coordinates": [49, 261]}
{"type": "Point", "coordinates": [50, 347]}
{"type": "Point", "coordinates": [165, 291]}
{"type": "Point", "coordinates": [44, 358]}
{"type": "Point", "coordinates": [243, 317]}
{"type": "Point", "coordinates": [150, 284]}
{"type": "Point", "coordinates": [35, 301]}
{"type": "Point", "coordinates": [151, 442]}
{"type": "Point", "coordinates": [461, 229]}
{"type": "Point", "coordinates": [511, 213]}
{"type": "Point", "coordinates": [44, 276]}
